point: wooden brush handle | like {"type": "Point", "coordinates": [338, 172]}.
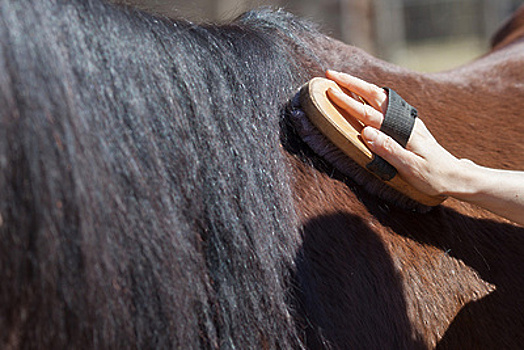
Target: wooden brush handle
{"type": "Point", "coordinates": [343, 131]}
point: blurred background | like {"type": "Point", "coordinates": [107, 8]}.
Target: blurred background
{"type": "Point", "coordinates": [424, 35]}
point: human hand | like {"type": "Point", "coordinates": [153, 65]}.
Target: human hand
{"type": "Point", "coordinates": [424, 163]}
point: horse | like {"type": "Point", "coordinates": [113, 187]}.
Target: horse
{"type": "Point", "coordinates": [155, 195]}
{"type": "Point", "coordinates": [446, 279]}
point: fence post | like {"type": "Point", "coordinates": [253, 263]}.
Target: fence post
{"type": "Point", "coordinates": [494, 11]}
{"type": "Point", "coordinates": [389, 26]}
{"type": "Point", "coordinates": [358, 24]}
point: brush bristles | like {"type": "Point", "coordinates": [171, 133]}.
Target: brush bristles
{"type": "Point", "coordinates": [332, 154]}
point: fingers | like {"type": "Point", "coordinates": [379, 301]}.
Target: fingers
{"type": "Point", "coordinates": [374, 95]}
{"type": "Point", "coordinates": [389, 149]}
{"type": "Point", "coordinates": [431, 170]}
{"type": "Point", "coordinates": [423, 163]}
{"type": "Point", "coordinates": [363, 112]}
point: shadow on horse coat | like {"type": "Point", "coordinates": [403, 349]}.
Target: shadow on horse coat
{"type": "Point", "coordinates": [153, 195]}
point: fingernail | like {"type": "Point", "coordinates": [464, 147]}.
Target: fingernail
{"type": "Point", "coordinates": [332, 72]}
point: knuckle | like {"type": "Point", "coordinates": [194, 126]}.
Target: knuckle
{"type": "Point", "coordinates": [365, 114]}
{"type": "Point", "coordinates": [377, 96]}
{"type": "Point", "coordinates": [388, 144]}
{"type": "Point", "coordinates": [377, 93]}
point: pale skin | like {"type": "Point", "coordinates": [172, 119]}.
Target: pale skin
{"type": "Point", "coordinates": [424, 163]}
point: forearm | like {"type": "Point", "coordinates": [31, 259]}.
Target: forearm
{"type": "Point", "coordinates": [499, 191]}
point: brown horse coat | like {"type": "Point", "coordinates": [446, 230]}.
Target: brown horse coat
{"type": "Point", "coordinates": [452, 278]}
{"type": "Point", "coordinates": [145, 202]}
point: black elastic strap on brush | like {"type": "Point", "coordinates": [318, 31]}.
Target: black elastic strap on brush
{"type": "Point", "coordinates": [398, 123]}
{"type": "Point", "coordinates": [399, 119]}
{"type": "Point", "coordinates": [381, 168]}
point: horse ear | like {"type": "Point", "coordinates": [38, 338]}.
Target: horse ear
{"type": "Point", "coordinates": [511, 30]}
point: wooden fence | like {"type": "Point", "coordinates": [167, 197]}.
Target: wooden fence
{"type": "Point", "coordinates": [382, 27]}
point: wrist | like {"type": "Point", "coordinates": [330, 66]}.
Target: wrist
{"type": "Point", "coordinates": [465, 180]}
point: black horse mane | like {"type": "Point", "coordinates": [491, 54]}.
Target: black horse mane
{"type": "Point", "coordinates": [145, 200]}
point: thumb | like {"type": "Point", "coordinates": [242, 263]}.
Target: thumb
{"type": "Point", "coordinates": [387, 148]}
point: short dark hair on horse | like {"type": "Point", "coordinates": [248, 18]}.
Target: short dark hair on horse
{"type": "Point", "coordinates": [145, 201]}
